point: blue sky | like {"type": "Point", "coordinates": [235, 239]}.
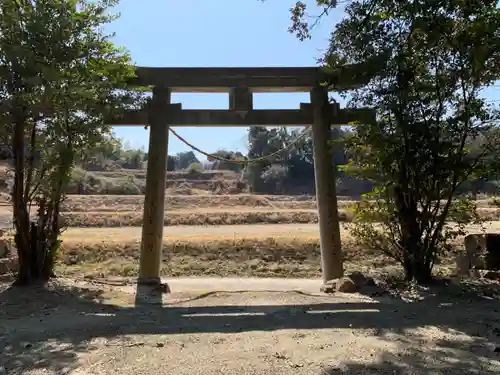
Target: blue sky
{"type": "Point", "coordinates": [215, 33]}
{"type": "Point", "coordinates": [204, 33]}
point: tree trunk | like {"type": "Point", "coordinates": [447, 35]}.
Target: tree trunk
{"type": "Point", "coordinates": [418, 271]}
{"type": "Point", "coordinates": [30, 238]}
{"type": "Point", "coordinates": [416, 265]}
{"type": "Point", "coordinates": [21, 214]}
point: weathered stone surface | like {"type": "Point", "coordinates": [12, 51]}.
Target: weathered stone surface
{"type": "Point", "coordinates": [462, 265]}
{"type": "Point", "coordinates": [475, 248]}
{"type": "Point", "coordinates": [474, 242]}
{"type": "Point", "coordinates": [329, 287]}
{"type": "Point", "coordinates": [346, 285]}
{"type": "Point", "coordinates": [357, 277]}
{"type": "Point", "coordinates": [474, 255]}
{"type": "Point", "coordinates": [352, 282]}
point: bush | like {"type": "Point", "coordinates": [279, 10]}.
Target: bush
{"type": "Point", "coordinates": [275, 177]}
{"type": "Point", "coordinates": [377, 227]}
{"type": "Point", "coordinates": [495, 201]}
{"type": "Point", "coordinates": [194, 168]}
{"type": "Point", "coordinates": [83, 182]}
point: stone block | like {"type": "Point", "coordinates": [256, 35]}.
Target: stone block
{"type": "Point", "coordinates": [351, 283]}
{"type": "Point", "coordinates": [346, 285]}
{"type": "Point", "coordinates": [473, 256]}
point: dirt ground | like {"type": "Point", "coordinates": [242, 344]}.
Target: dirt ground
{"type": "Point", "coordinates": [77, 328]}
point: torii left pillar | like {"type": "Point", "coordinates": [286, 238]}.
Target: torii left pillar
{"type": "Point", "coordinates": [154, 200]}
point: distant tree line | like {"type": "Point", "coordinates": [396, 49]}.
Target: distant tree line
{"type": "Point", "coordinates": [290, 171]}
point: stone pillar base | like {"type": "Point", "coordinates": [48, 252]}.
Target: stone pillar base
{"type": "Point", "coordinates": [149, 281]}
{"type": "Point", "coordinates": [150, 291]}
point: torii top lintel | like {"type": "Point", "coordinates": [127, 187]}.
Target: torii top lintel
{"type": "Point", "coordinates": [261, 79]}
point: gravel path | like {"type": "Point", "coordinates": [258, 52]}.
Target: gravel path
{"type": "Point", "coordinates": [261, 333]}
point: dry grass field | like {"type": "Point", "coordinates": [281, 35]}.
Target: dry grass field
{"type": "Point", "coordinates": [258, 251]}
{"type": "Point", "coordinates": [243, 209]}
{"type": "Point", "coordinates": [219, 235]}
{"type": "Point", "coordinates": [120, 211]}
{"type": "Point", "coordinates": [208, 233]}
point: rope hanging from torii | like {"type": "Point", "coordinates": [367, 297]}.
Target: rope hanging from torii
{"type": "Point", "coordinates": [302, 135]}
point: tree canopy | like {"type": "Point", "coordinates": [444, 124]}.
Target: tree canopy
{"type": "Point", "coordinates": [434, 131]}
{"type": "Point", "coordinates": [60, 77]}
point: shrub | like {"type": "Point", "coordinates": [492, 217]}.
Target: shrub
{"type": "Point", "coordinates": [83, 182]}
{"type": "Point", "coordinates": [194, 168]}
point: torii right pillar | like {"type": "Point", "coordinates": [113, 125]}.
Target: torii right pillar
{"type": "Point", "coordinates": [326, 194]}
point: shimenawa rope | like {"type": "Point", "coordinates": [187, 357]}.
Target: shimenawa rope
{"type": "Point", "coordinates": [246, 161]}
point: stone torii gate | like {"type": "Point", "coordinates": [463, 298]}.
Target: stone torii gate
{"type": "Point", "coordinates": [240, 84]}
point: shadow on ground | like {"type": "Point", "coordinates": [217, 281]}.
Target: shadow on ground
{"type": "Point", "coordinates": [48, 328]}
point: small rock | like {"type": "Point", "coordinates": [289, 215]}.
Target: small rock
{"type": "Point", "coordinates": [329, 287]}
{"type": "Point", "coordinates": [352, 282]}
{"type": "Point", "coordinates": [346, 285]}
{"type": "Point", "coordinates": [279, 355]}
{"type": "Point", "coordinates": [357, 277]}
{"type": "Point", "coordinates": [160, 345]}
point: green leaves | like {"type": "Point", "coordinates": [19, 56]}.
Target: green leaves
{"type": "Point", "coordinates": [434, 131]}
{"type": "Point", "coordinates": [300, 17]}
{"type": "Point", "coordinates": [60, 79]}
